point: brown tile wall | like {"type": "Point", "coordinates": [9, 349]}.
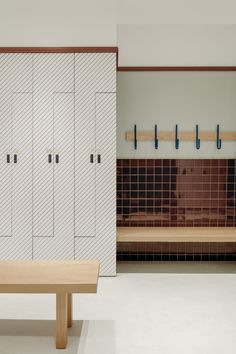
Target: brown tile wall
{"type": "Point", "coordinates": [176, 251]}
{"type": "Point", "coordinates": [176, 192]}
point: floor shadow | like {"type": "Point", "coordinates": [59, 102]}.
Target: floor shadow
{"type": "Point", "coordinates": [177, 267]}
{"type": "Point", "coordinates": [38, 337]}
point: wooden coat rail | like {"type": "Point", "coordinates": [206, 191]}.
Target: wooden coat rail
{"type": "Point", "coordinates": [142, 135]}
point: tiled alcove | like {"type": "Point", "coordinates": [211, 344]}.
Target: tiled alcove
{"type": "Point", "coordinates": [176, 193]}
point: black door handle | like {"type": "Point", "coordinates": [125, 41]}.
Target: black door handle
{"type": "Point", "coordinates": [57, 158]}
{"type": "Point", "coordinates": [8, 158]}
{"type": "Point", "coordinates": [15, 158]}
{"type": "Point", "coordinates": [91, 158]}
{"type": "Point", "coordinates": [49, 158]}
{"type": "Point", "coordinates": [99, 158]}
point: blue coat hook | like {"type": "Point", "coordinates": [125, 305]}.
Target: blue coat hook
{"type": "Point", "coordinates": [156, 139]}
{"type": "Point", "coordinates": [198, 141]}
{"type": "Point", "coordinates": [135, 137]}
{"type": "Point", "coordinates": [176, 137]}
{"type": "Point", "coordinates": [218, 141]}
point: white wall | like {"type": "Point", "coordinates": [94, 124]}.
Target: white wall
{"type": "Point", "coordinates": [169, 98]}
{"type": "Point", "coordinates": [176, 12]}
{"type": "Point", "coordinates": [57, 22]}
{"type": "Point", "coordinates": [170, 45]}
{"type": "Point", "coordinates": [176, 33]}
{"type": "Point", "coordinates": [170, 32]}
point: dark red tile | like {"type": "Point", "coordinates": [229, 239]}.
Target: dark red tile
{"type": "Point", "coordinates": [207, 187]}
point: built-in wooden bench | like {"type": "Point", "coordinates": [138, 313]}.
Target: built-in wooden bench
{"type": "Point", "coordinates": [60, 277]}
{"type": "Point", "coordinates": [176, 234]}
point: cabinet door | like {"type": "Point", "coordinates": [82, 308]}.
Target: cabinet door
{"type": "Point", "coordinates": [106, 179]}
{"type": "Point", "coordinates": [22, 173]}
{"type": "Point", "coordinates": [85, 210]}
{"type": "Point", "coordinates": [94, 72]}
{"type": "Point", "coordinates": [103, 246]}
{"type": "Point", "coordinates": [64, 175]}
{"type": "Point", "coordinates": [19, 245]}
{"type": "Point", "coordinates": [5, 164]}
{"type": "Point", "coordinates": [15, 139]}
{"type": "Point", "coordinates": [95, 86]}
{"type": "Point", "coordinates": [52, 73]}
{"type": "Point", "coordinates": [53, 139]}
{"type": "Point", "coordinates": [85, 178]}
{"type": "Point", "coordinates": [61, 245]}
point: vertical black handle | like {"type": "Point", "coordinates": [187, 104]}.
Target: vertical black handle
{"type": "Point", "coordinates": [15, 158]}
{"type": "Point", "coordinates": [156, 138]}
{"type": "Point", "coordinates": [218, 141]}
{"type": "Point", "coordinates": [57, 158]}
{"type": "Point", "coordinates": [176, 137]}
{"type": "Point", "coordinates": [135, 137]}
{"type": "Point", "coordinates": [49, 158]}
{"type": "Point", "coordinates": [198, 142]}
{"type": "Point", "coordinates": [8, 158]}
{"type": "Point", "coordinates": [91, 158]}
{"type": "Point", "coordinates": [99, 158]}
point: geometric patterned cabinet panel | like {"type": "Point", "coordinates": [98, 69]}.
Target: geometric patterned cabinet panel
{"type": "Point", "coordinates": [57, 157]}
{"type": "Point", "coordinates": [95, 146]}
{"type": "Point", "coordinates": [15, 156]}
{"type": "Point", "coordinates": [53, 185]}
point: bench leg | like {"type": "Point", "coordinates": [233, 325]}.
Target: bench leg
{"type": "Point", "coordinates": [61, 322]}
{"type": "Point", "coordinates": [69, 310]}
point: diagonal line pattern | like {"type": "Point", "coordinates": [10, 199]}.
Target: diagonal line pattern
{"type": "Point", "coordinates": [53, 196]}
{"type": "Point", "coordinates": [16, 139]}
{"type": "Point", "coordinates": [58, 104]}
{"type": "Point", "coordinates": [103, 246]}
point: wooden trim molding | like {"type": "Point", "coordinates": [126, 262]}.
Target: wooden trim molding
{"type": "Point", "coordinates": [58, 49]}
{"type": "Point", "coordinates": [176, 68]}
{"type": "Point", "coordinates": [182, 135]}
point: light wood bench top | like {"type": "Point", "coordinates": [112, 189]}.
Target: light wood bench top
{"type": "Point", "coordinates": [176, 234]}
{"type": "Point", "coordinates": [49, 276]}
{"type": "Point", "coordinates": [60, 277]}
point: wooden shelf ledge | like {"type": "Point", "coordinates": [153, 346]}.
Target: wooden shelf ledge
{"type": "Point", "coordinates": [176, 234]}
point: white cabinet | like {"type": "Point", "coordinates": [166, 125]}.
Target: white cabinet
{"type": "Point", "coordinates": [5, 170]}
{"type": "Point", "coordinates": [95, 184]}
{"type": "Point", "coordinates": [22, 175]}
{"type": "Point", "coordinates": [94, 73]}
{"type": "Point", "coordinates": [57, 157]}
{"type": "Point", "coordinates": [106, 180]}
{"type": "Point", "coordinates": [53, 161]}
{"type": "Point", "coordinates": [63, 245]}
{"type": "Point", "coordinates": [52, 73]}
{"type": "Point", "coordinates": [15, 156]}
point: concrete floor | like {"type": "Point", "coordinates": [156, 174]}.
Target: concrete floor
{"type": "Point", "coordinates": [158, 308]}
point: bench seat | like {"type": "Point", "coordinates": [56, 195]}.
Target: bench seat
{"type": "Point", "coordinates": [176, 234]}
{"type": "Point", "coordinates": [60, 277]}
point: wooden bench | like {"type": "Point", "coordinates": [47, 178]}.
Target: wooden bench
{"type": "Point", "coordinates": [60, 277]}
{"type": "Point", "coordinates": [176, 234]}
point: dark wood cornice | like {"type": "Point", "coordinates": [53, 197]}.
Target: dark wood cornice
{"type": "Point", "coordinates": [58, 49]}
{"type": "Point", "coordinates": [176, 68]}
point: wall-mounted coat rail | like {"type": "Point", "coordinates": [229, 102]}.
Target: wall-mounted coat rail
{"type": "Point", "coordinates": [177, 136]}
